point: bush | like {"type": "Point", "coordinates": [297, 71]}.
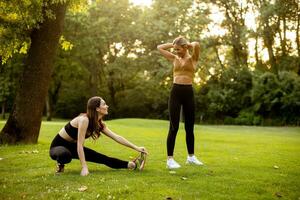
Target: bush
{"type": "Point", "coordinates": [257, 120]}
{"type": "Point", "coordinates": [247, 118]}
{"type": "Point", "coordinates": [229, 120]}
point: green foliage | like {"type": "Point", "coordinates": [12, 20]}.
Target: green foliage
{"type": "Point", "coordinates": [68, 90]}
{"type": "Point", "coordinates": [248, 118]}
{"type": "Point", "coordinates": [227, 95]}
{"type": "Point", "coordinates": [277, 97]}
{"type": "Point", "coordinates": [289, 63]}
{"type": "Point", "coordinates": [4, 88]}
{"type": "Point", "coordinates": [266, 93]}
{"type": "Point", "coordinates": [108, 48]}
{"type": "Point", "coordinates": [17, 19]}
{"type": "Point", "coordinates": [290, 101]}
{"type": "Point", "coordinates": [127, 83]}
{"type": "Point", "coordinates": [9, 79]}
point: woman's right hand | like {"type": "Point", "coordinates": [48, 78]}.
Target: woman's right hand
{"type": "Point", "coordinates": [84, 171]}
{"type": "Point", "coordinates": [142, 150]}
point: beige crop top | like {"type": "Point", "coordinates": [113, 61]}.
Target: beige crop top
{"type": "Point", "coordinates": [187, 69]}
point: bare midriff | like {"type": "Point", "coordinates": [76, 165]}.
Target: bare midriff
{"type": "Point", "coordinates": [183, 71]}
{"type": "Point", "coordinates": [183, 80]}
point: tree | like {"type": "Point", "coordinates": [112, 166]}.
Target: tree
{"type": "Point", "coordinates": [235, 15]}
{"type": "Point", "coordinates": [9, 81]}
{"type": "Point", "coordinates": [24, 122]}
{"type": "Point", "coordinates": [267, 28]}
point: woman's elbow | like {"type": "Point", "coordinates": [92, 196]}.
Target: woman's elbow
{"type": "Point", "coordinates": [159, 47]}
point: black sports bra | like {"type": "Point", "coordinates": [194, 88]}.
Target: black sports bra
{"type": "Point", "coordinates": [73, 131]}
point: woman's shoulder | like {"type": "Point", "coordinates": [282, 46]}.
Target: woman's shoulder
{"type": "Point", "coordinates": [81, 119]}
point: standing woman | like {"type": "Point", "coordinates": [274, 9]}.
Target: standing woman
{"type": "Point", "coordinates": [182, 94]}
{"type": "Point", "coordinates": [69, 142]}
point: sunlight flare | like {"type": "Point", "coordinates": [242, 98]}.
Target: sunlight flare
{"type": "Point", "coordinates": [146, 3]}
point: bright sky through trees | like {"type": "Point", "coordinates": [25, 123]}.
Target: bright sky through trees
{"type": "Point", "coordinates": [214, 28]}
{"type": "Point", "coordinates": [142, 2]}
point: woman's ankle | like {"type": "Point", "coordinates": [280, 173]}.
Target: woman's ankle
{"type": "Point", "coordinates": [170, 157]}
{"type": "Point", "coordinates": [131, 165]}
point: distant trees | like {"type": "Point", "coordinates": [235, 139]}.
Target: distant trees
{"type": "Point", "coordinates": [109, 49]}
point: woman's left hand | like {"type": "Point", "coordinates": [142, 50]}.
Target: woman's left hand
{"type": "Point", "coordinates": [142, 150]}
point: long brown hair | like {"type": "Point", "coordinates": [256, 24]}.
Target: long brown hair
{"type": "Point", "coordinates": [95, 125]}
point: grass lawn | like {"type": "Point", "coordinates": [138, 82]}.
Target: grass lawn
{"type": "Point", "coordinates": [241, 162]}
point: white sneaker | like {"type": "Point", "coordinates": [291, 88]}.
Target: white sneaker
{"type": "Point", "coordinates": [172, 164]}
{"type": "Point", "coordinates": [193, 160]}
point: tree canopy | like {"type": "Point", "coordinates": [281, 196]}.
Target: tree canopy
{"type": "Point", "coordinates": [248, 71]}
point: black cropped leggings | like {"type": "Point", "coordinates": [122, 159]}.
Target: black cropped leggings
{"type": "Point", "coordinates": [181, 95]}
{"type": "Point", "coordinates": [63, 151]}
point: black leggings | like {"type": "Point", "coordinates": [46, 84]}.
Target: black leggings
{"type": "Point", "coordinates": [63, 151]}
{"type": "Point", "coordinates": [181, 95]}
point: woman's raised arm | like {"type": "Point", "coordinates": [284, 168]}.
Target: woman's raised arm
{"type": "Point", "coordinates": [162, 48]}
{"type": "Point", "coordinates": [196, 50]}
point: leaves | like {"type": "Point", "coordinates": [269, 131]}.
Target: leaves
{"type": "Point", "coordinates": [65, 45]}
{"type": "Point", "coordinates": [82, 188]}
{"type": "Point", "coordinates": [29, 152]}
{"type": "Point", "coordinates": [183, 178]}
{"type": "Point", "coordinates": [135, 77]}
{"type": "Point", "coordinates": [278, 194]}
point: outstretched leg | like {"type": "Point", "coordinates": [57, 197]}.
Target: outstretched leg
{"type": "Point", "coordinates": [93, 156]}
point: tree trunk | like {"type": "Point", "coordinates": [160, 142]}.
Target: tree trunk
{"type": "Point", "coordinates": [3, 110]}
{"type": "Point", "coordinates": [48, 108]}
{"type": "Point", "coordinates": [284, 36]}
{"type": "Point", "coordinates": [268, 40]}
{"type": "Point", "coordinates": [52, 99]}
{"type": "Point", "coordinates": [236, 24]}
{"type": "Point", "coordinates": [94, 79]}
{"type": "Point", "coordinates": [297, 32]}
{"type": "Point", "coordinates": [218, 57]}
{"type": "Point", "coordinates": [256, 50]}
{"type": "Point", "coordinates": [111, 87]}
{"type": "Point", "coordinates": [24, 122]}
{"type": "Point", "coordinates": [259, 63]}
{"type": "Point", "coordinates": [298, 36]}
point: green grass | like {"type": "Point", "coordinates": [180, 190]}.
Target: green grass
{"type": "Point", "coordinates": [239, 164]}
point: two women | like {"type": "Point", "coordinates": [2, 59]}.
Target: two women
{"type": "Point", "coordinates": [69, 142]}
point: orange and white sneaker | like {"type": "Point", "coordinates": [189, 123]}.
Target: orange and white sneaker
{"type": "Point", "coordinates": [140, 161]}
